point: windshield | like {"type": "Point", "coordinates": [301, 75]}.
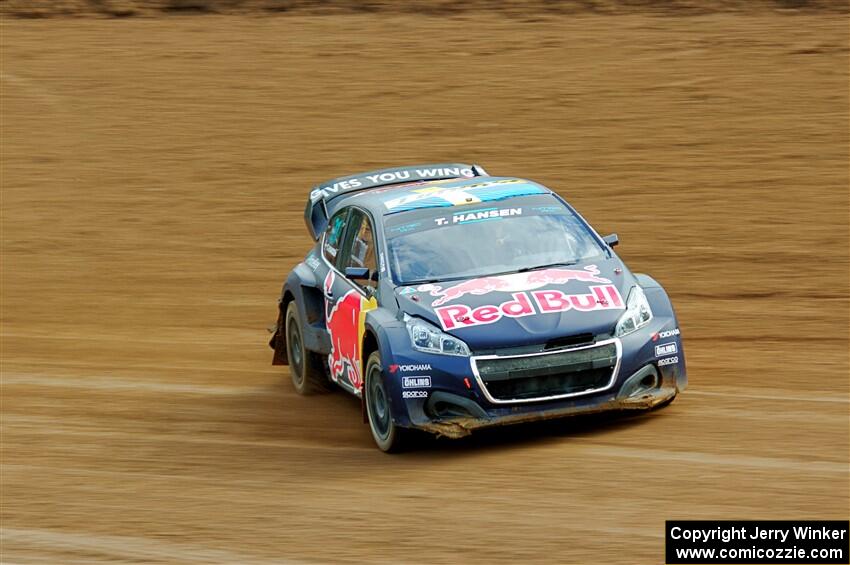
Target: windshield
{"type": "Point", "coordinates": [520, 234]}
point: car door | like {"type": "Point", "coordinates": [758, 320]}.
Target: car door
{"type": "Point", "coordinates": [347, 301]}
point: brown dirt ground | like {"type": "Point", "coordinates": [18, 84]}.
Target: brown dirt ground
{"type": "Point", "coordinates": [521, 9]}
{"type": "Point", "coordinates": [153, 179]}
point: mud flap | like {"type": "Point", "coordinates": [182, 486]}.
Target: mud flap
{"type": "Point", "coordinates": [278, 344]}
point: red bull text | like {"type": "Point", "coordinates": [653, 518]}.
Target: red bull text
{"type": "Point", "coordinates": [605, 297]}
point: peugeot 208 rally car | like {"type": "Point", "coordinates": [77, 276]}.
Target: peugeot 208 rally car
{"type": "Point", "coordinates": [448, 300]}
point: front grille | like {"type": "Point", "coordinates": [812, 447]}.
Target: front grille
{"type": "Point", "coordinates": [559, 374]}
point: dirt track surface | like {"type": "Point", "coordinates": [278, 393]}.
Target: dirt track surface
{"type": "Point", "coordinates": [523, 9]}
{"type": "Point", "coordinates": [153, 180]}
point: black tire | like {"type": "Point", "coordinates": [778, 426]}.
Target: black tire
{"type": "Point", "coordinates": [307, 375]}
{"type": "Point", "coordinates": [388, 437]}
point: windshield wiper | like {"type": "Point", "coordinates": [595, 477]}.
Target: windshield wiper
{"type": "Point", "coordinates": [497, 274]}
{"type": "Point", "coordinates": [432, 281]}
{"type": "Point", "coordinates": [419, 281]}
{"type": "Point", "coordinates": [559, 264]}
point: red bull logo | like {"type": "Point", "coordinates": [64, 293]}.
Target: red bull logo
{"type": "Point", "coordinates": [346, 323]}
{"type": "Point", "coordinates": [604, 297]}
{"type": "Point", "coordinates": [515, 282]}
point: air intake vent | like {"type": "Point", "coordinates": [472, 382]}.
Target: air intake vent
{"type": "Point", "coordinates": [569, 341]}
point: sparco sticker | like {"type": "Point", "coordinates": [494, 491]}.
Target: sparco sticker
{"type": "Point", "coordinates": [668, 361]}
{"type": "Point", "coordinates": [666, 349]}
{"type": "Point", "coordinates": [416, 382]}
{"type": "Point", "coordinates": [414, 394]}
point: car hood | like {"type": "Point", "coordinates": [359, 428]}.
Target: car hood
{"type": "Point", "coordinates": [534, 307]}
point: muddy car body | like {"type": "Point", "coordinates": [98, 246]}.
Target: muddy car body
{"type": "Point", "coordinates": [448, 300]}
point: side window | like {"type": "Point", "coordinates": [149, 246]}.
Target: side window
{"type": "Point", "coordinates": [360, 247]}
{"type": "Point", "coordinates": [333, 236]}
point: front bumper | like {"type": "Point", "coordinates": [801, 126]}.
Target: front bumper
{"type": "Point", "coordinates": [460, 426]}
{"type": "Point", "coordinates": [456, 401]}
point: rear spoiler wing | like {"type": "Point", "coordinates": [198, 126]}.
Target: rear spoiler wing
{"type": "Point", "coordinates": [316, 212]}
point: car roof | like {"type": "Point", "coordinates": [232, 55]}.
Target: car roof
{"type": "Point", "coordinates": [442, 193]}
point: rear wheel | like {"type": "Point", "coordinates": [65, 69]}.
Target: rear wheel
{"type": "Point", "coordinates": [307, 374]}
{"type": "Point", "coordinates": [389, 437]}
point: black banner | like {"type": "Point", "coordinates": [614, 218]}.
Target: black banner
{"type": "Point", "coordinates": [757, 541]}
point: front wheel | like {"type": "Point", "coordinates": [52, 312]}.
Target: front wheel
{"type": "Point", "coordinates": [389, 437]}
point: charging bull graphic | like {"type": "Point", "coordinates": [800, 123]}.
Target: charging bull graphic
{"type": "Point", "coordinates": [514, 282]}
{"type": "Point", "coordinates": [346, 322]}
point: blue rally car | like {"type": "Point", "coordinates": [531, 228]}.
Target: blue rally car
{"type": "Point", "coordinates": [448, 300]}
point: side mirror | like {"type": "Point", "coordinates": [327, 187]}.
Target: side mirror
{"type": "Point", "coordinates": [612, 240]}
{"type": "Point", "coordinates": [357, 273]}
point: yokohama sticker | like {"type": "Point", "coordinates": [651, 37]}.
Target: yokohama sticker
{"type": "Point", "coordinates": [605, 297]}
{"type": "Point", "coordinates": [665, 334]}
{"type": "Point", "coordinates": [394, 368]}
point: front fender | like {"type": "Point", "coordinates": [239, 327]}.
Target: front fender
{"type": "Point", "coordinates": [662, 307]}
{"type": "Point", "coordinates": [391, 334]}
{"type": "Point", "coordinates": [657, 296]}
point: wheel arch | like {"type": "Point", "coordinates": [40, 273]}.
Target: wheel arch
{"type": "Point", "coordinates": [384, 333]}
{"type": "Point", "coordinates": [301, 287]}
{"type": "Point", "coordinates": [369, 345]}
{"type": "Point", "coordinates": [285, 299]}
{"type": "Point", "coordinates": [278, 340]}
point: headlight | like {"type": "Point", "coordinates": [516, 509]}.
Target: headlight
{"type": "Point", "coordinates": [427, 338]}
{"type": "Point", "coordinates": [638, 314]}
